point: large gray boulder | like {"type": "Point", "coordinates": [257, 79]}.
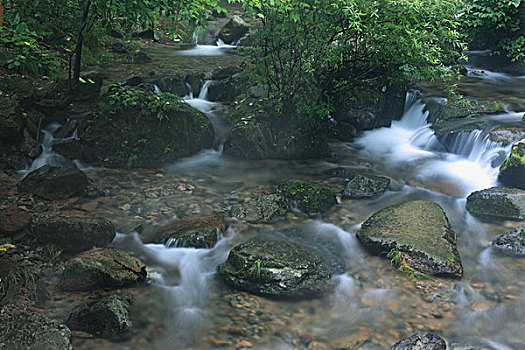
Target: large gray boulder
{"type": "Point", "coordinates": [102, 268]}
{"type": "Point", "coordinates": [233, 30]}
{"type": "Point", "coordinates": [263, 208]}
{"type": "Point", "coordinates": [505, 203]}
{"type": "Point", "coordinates": [54, 183]}
{"type": "Point", "coordinates": [511, 242]}
{"type": "Point", "coordinates": [512, 171]}
{"type": "Point", "coordinates": [277, 269]}
{"type": "Point", "coordinates": [419, 232]}
{"type": "Point", "coordinates": [420, 341]}
{"type": "Point", "coordinates": [74, 234]}
{"type": "Point", "coordinates": [366, 186]}
{"type": "Point", "coordinates": [28, 330]}
{"type": "Point", "coordinates": [108, 316]}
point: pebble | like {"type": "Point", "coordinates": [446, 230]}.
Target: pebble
{"type": "Point", "coordinates": [243, 344]}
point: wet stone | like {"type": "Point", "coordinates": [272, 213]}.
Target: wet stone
{"type": "Point", "coordinates": [14, 219]}
{"type": "Point", "coordinates": [507, 203]}
{"type": "Point", "coordinates": [366, 186]}
{"type": "Point", "coordinates": [54, 183]}
{"type": "Point", "coordinates": [264, 208]}
{"type": "Point", "coordinates": [421, 341]}
{"type": "Point", "coordinates": [511, 242]}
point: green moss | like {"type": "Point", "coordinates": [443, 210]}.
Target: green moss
{"type": "Point", "coordinates": [310, 198]}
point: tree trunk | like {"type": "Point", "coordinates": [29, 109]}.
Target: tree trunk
{"type": "Point", "coordinates": [2, 12]}
{"type": "Point", "coordinates": [77, 66]}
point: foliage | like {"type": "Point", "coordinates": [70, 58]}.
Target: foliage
{"type": "Point", "coordinates": [309, 50]}
{"type": "Point", "coordinates": [397, 260]}
{"type": "Point", "coordinates": [498, 25]}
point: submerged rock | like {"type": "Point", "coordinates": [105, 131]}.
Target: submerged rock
{"type": "Point", "coordinates": [512, 172]}
{"type": "Point", "coordinates": [134, 127]}
{"type": "Point", "coordinates": [263, 208]}
{"type": "Point", "coordinates": [24, 329]}
{"type": "Point", "coordinates": [233, 30]}
{"type": "Point", "coordinates": [366, 186]}
{"type": "Point", "coordinates": [54, 183]}
{"type": "Point", "coordinates": [74, 234]}
{"type": "Point", "coordinates": [277, 269]}
{"type": "Point", "coordinates": [499, 202]}
{"type": "Point", "coordinates": [421, 341]}
{"type": "Point", "coordinates": [420, 232]}
{"type": "Point", "coordinates": [107, 317]}
{"type": "Point", "coordinates": [309, 198]}
{"type": "Point", "coordinates": [198, 231]}
{"type": "Point", "coordinates": [511, 242]}
{"type": "Point", "coordinates": [102, 268]}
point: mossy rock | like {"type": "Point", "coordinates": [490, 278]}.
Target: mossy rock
{"type": "Point", "coordinates": [500, 202]}
{"type": "Point", "coordinates": [135, 57]}
{"type": "Point", "coordinates": [108, 316]}
{"type": "Point", "coordinates": [137, 128]}
{"type": "Point", "coordinates": [420, 231]}
{"type": "Point", "coordinates": [309, 198]}
{"type": "Point", "coordinates": [461, 107]}
{"type": "Point", "coordinates": [27, 330]}
{"type": "Point", "coordinates": [74, 234]}
{"type": "Point", "coordinates": [263, 208]}
{"type": "Point", "coordinates": [512, 171]}
{"type": "Point", "coordinates": [21, 86]}
{"type": "Point", "coordinates": [197, 231]}
{"type": "Point", "coordinates": [102, 268]}
{"type": "Point", "coordinates": [54, 183]}
{"type": "Point", "coordinates": [276, 269]}
{"type": "Point", "coordinates": [366, 186]}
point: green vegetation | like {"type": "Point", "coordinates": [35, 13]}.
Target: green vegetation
{"type": "Point", "coordinates": [398, 261]}
{"type": "Point", "coordinates": [498, 25]}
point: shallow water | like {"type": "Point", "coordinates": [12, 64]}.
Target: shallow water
{"type": "Point", "coordinates": [185, 305]}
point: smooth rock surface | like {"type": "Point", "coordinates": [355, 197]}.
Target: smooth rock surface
{"type": "Point", "coordinates": [420, 231]}
{"type": "Point", "coordinates": [233, 30]}
{"type": "Point", "coordinates": [54, 183]}
{"type": "Point", "coordinates": [366, 186]}
{"type": "Point", "coordinates": [263, 208]}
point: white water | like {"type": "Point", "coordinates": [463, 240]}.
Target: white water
{"type": "Point", "coordinates": [472, 163]}
{"type": "Point", "coordinates": [219, 49]}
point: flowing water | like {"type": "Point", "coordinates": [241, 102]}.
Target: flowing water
{"type": "Point", "coordinates": [185, 305]}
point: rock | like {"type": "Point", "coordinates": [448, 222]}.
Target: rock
{"type": "Point", "coordinates": [29, 146]}
{"type": "Point", "coordinates": [198, 231]}
{"type": "Point", "coordinates": [11, 125]}
{"type": "Point", "coordinates": [309, 198]}
{"type": "Point", "coordinates": [257, 135]}
{"type": "Point", "coordinates": [134, 127]}
{"type": "Point", "coordinates": [28, 330]}
{"type": "Point", "coordinates": [74, 234]}
{"type": "Point", "coordinates": [174, 84]}
{"type": "Point", "coordinates": [195, 81]}
{"type": "Point", "coordinates": [344, 131]}
{"type": "Point", "coordinates": [108, 316]}
{"type": "Point", "coordinates": [366, 186]}
{"type": "Point", "coordinates": [511, 242]}
{"type": "Point", "coordinates": [69, 148]}
{"type": "Point", "coordinates": [22, 86]}
{"type": "Point", "coordinates": [512, 172]}
{"type": "Point", "coordinates": [147, 34]}
{"type": "Point", "coordinates": [420, 231]}
{"type": "Point", "coordinates": [233, 30]}
{"type": "Point", "coordinates": [420, 341]}
{"type": "Point", "coordinates": [276, 269]}
{"type": "Point", "coordinates": [135, 57]}
{"type": "Point", "coordinates": [264, 208]}
{"type": "Point", "coordinates": [54, 183]}
{"type": "Point", "coordinates": [221, 73]}
{"type": "Point", "coordinates": [102, 268]}
{"type": "Point", "coordinates": [499, 202]}
{"type": "Point", "coordinates": [89, 86]}
{"type": "Point", "coordinates": [226, 90]}
{"type": "Point", "coordinates": [460, 107]}
{"type": "Point", "coordinates": [14, 220]}
{"type": "Point", "coordinates": [507, 134]}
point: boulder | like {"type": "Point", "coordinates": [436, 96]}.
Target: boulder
{"type": "Point", "coordinates": [221, 73]}
{"type": "Point", "coordinates": [276, 269]}
{"type": "Point", "coordinates": [11, 125]}
{"type": "Point", "coordinates": [135, 57]}
{"type": "Point", "coordinates": [108, 316]}
{"type": "Point", "coordinates": [309, 198]}
{"type": "Point", "coordinates": [134, 127]}
{"type": "Point", "coordinates": [226, 90]}
{"type": "Point", "coordinates": [89, 86]}
{"type": "Point", "coordinates": [233, 30]}
{"type": "Point", "coordinates": [27, 330]}
{"type": "Point", "coordinates": [198, 231]}
{"type": "Point", "coordinates": [506, 203]}
{"type": "Point", "coordinates": [29, 146]}
{"type": "Point", "coordinates": [421, 234]}
{"type": "Point", "coordinates": [195, 81]}
{"type": "Point", "coordinates": [74, 234]}
{"type": "Point", "coordinates": [102, 268]}
{"type": "Point", "coordinates": [512, 172]}
{"type": "Point", "coordinates": [69, 148]}
{"type": "Point", "coordinates": [366, 186]}
{"type": "Point", "coordinates": [511, 242]}
{"type": "Point", "coordinates": [460, 107]}
{"type": "Point", "coordinates": [21, 86]}
{"type": "Point", "coordinates": [263, 208]}
{"type": "Point", "coordinates": [421, 341]}
{"type": "Point", "coordinates": [54, 183]}
{"type": "Point", "coordinates": [13, 219]}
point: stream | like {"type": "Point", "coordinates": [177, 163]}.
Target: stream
{"type": "Point", "coordinates": [185, 305]}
